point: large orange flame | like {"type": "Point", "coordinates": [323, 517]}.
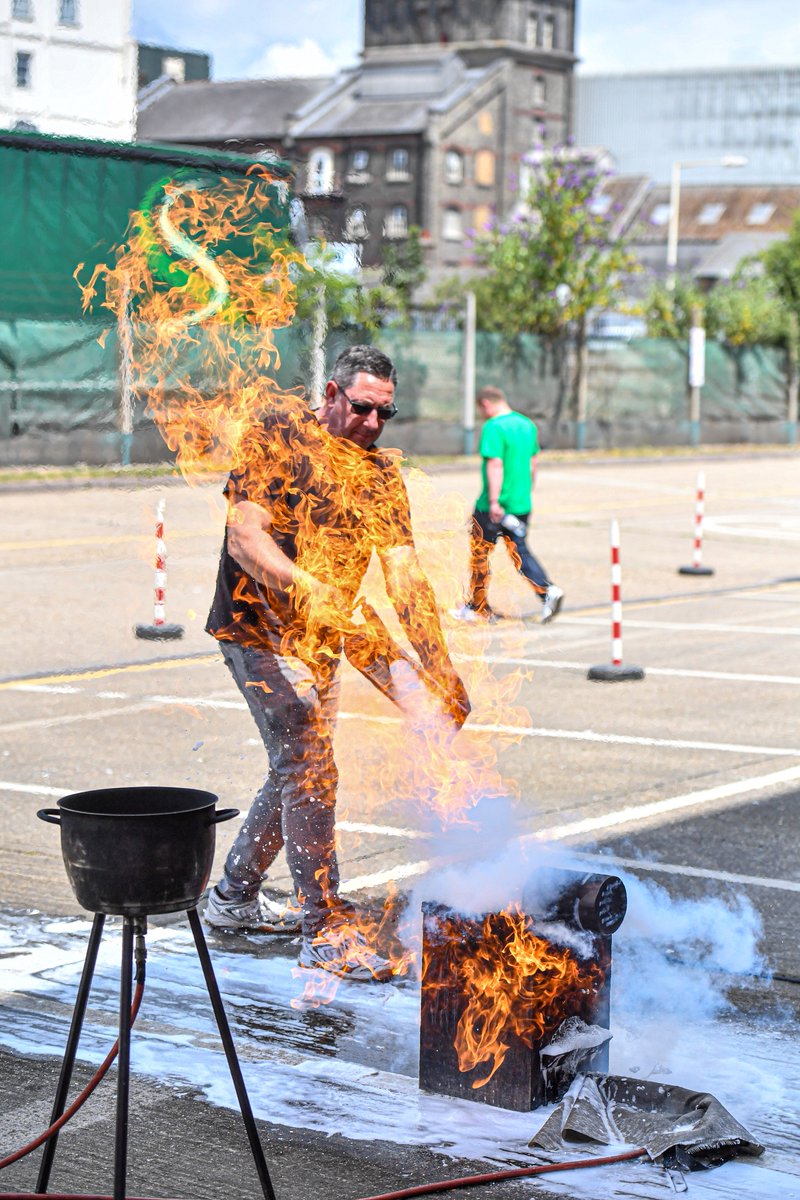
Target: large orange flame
{"type": "Point", "coordinates": [513, 984]}
{"type": "Point", "coordinates": [205, 278]}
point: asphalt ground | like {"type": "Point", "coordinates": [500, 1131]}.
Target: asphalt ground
{"type": "Point", "coordinates": [688, 777]}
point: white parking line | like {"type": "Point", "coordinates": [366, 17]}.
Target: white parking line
{"type": "Point", "coordinates": [635, 813]}
{"type": "Point", "coordinates": [32, 789]}
{"type": "Point", "coordinates": [643, 864]}
{"type": "Point", "coordinates": [678, 672]}
{"type": "Point", "coordinates": [690, 626]}
{"type": "Point", "coordinates": [514, 731]}
{"type": "Point", "coordinates": [631, 815]}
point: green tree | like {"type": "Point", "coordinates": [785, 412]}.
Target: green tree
{"type": "Point", "coordinates": [554, 260]}
{"type": "Point", "coordinates": [747, 312]}
{"type": "Point", "coordinates": [782, 266]}
{"type": "Point", "coordinates": [743, 311]}
{"type": "Point", "coordinates": [557, 257]}
{"type": "Point", "coordinates": [668, 311]}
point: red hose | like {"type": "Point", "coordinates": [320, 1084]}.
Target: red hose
{"type": "Point", "coordinates": [80, 1100]}
{"type": "Point", "coordinates": [425, 1189]}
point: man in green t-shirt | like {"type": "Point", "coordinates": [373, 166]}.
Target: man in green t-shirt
{"type": "Point", "coordinates": [509, 446]}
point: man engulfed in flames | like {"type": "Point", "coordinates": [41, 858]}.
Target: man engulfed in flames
{"type": "Point", "coordinates": [311, 501]}
{"type": "Point", "coordinates": [206, 275]}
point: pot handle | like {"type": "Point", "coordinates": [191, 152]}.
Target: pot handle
{"type": "Point", "coordinates": [222, 814]}
{"type": "Point", "coordinates": [51, 815]}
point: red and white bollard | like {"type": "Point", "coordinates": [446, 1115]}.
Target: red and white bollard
{"type": "Point", "coordinates": [613, 671]}
{"type": "Point", "coordinates": [697, 567]}
{"type": "Point", "coordinates": [160, 631]}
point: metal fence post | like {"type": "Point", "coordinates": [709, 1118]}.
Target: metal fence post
{"type": "Point", "coordinates": [697, 373]}
{"type": "Point", "coordinates": [126, 396]}
{"type": "Point", "coordinates": [469, 375]}
{"type": "Point", "coordinates": [792, 381]}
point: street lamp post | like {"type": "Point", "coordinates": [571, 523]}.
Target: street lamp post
{"type": "Point", "coordinates": [728, 160]}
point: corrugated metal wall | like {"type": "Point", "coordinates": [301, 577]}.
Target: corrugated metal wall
{"type": "Point", "coordinates": [649, 120]}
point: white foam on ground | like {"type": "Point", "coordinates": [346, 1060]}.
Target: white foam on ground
{"type": "Point", "coordinates": [316, 1069]}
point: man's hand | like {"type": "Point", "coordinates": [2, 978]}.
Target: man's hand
{"type": "Point", "coordinates": [454, 695]}
{"type": "Point", "coordinates": [320, 603]}
{"type": "Point", "coordinates": [496, 513]}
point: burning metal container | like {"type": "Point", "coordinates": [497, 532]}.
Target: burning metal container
{"type": "Point", "coordinates": [516, 1003]}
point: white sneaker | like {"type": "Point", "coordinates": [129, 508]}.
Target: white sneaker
{"type": "Point", "coordinates": [344, 951]}
{"type": "Point", "coordinates": [553, 598]}
{"type": "Point", "coordinates": [466, 612]}
{"type": "Point", "coordinates": [259, 915]}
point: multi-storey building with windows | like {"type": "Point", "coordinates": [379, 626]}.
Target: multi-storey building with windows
{"type": "Point", "coordinates": [46, 45]}
{"type": "Point", "coordinates": [429, 130]}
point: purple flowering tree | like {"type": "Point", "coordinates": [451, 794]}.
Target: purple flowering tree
{"type": "Point", "coordinates": [555, 260]}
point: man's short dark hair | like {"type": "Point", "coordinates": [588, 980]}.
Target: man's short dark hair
{"type": "Point", "coordinates": [362, 358]}
{"type": "Point", "coordinates": [491, 393]}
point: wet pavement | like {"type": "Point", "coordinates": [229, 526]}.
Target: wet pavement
{"type": "Point", "coordinates": [685, 784]}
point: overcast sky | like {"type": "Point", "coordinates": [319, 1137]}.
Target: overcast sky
{"type": "Point", "coordinates": [265, 38]}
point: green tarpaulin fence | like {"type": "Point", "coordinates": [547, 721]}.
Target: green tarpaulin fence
{"type": "Point", "coordinates": [66, 201]}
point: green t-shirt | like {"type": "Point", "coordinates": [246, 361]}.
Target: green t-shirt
{"type": "Point", "coordinates": [513, 438]}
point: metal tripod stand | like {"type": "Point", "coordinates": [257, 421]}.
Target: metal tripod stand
{"type": "Point", "coordinates": [134, 927]}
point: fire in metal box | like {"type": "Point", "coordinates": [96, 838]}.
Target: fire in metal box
{"type": "Point", "coordinates": [511, 1010]}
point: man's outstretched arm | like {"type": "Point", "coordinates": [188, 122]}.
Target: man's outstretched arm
{"type": "Point", "coordinates": [414, 602]}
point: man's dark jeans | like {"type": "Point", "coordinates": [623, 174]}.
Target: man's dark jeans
{"type": "Point", "coordinates": [483, 539]}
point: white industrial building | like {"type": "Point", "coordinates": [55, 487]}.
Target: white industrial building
{"type": "Point", "coordinates": [68, 67]}
{"type": "Point", "coordinates": [652, 119]}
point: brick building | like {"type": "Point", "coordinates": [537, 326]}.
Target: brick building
{"type": "Point", "coordinates": [428, 130]}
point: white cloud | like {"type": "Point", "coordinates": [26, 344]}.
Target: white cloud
{"type": "Point", "coordinates": [247, 38]}
{"type": "Point", "coordinates": [282, 59]}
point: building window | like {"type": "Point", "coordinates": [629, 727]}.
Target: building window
{"type": "Point", "coordinates": [600, 206]}
{"type": "Point", "coordinates": [482, 218]}
{"type": "Point", "coordinates": [174, 67]}
{"type": "Point", "coordinates": [660, 214]}
{"type": "Point", "coordinates": [539, 90]}
{"type": "Point", "coordinates": [710, 213]}
{"type": "Point", "coordinates": [452, 229]}
{"type": "Point", "coordinates": [22, 10]}
{"type": "Point", "coordinates": [484, 168]}
{"type": "Point", "coordinates": [320, 172]}
{"type": "Point", "coordinates": [760, 214]}
{"type": "Point", "coordinates": [356, 226]}
{"type": "Point", "coordinates": [360, 160]}
{"type": "Point", "coordinates": [453, 167]}
{"type": "Point", "coordinates": [548, 33]}
{"type": "Point", "coordinates": [398, 165]}
{"type": "Point", "coordinates": [532, 29]}
{"type": "Point", "coordinates": [396, 223]}
{"type": "Point", "coordinates": [23, 69]}
{"type": "Point", "coordinates": [68, 12]}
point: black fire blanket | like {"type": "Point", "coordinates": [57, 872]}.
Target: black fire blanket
{"type": "Point", "coordinates": [688, 1130]}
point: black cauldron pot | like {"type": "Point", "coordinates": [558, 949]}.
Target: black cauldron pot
{"type": "Point", "coordinates": [138, 850]}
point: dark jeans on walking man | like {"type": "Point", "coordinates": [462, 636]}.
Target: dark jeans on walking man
{"type": "Point", "coordinates": [483, 539]}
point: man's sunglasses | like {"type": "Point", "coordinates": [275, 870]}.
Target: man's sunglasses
{"type": "Point", "coordinates": [363, 407]}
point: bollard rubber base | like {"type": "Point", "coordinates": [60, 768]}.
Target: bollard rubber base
{"type": "Point", "coordinates": [695, 570]}
{"type": "Point", "coordinates": [614, 673]}
{"type": "Point", "coordinates": [159, 633]}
